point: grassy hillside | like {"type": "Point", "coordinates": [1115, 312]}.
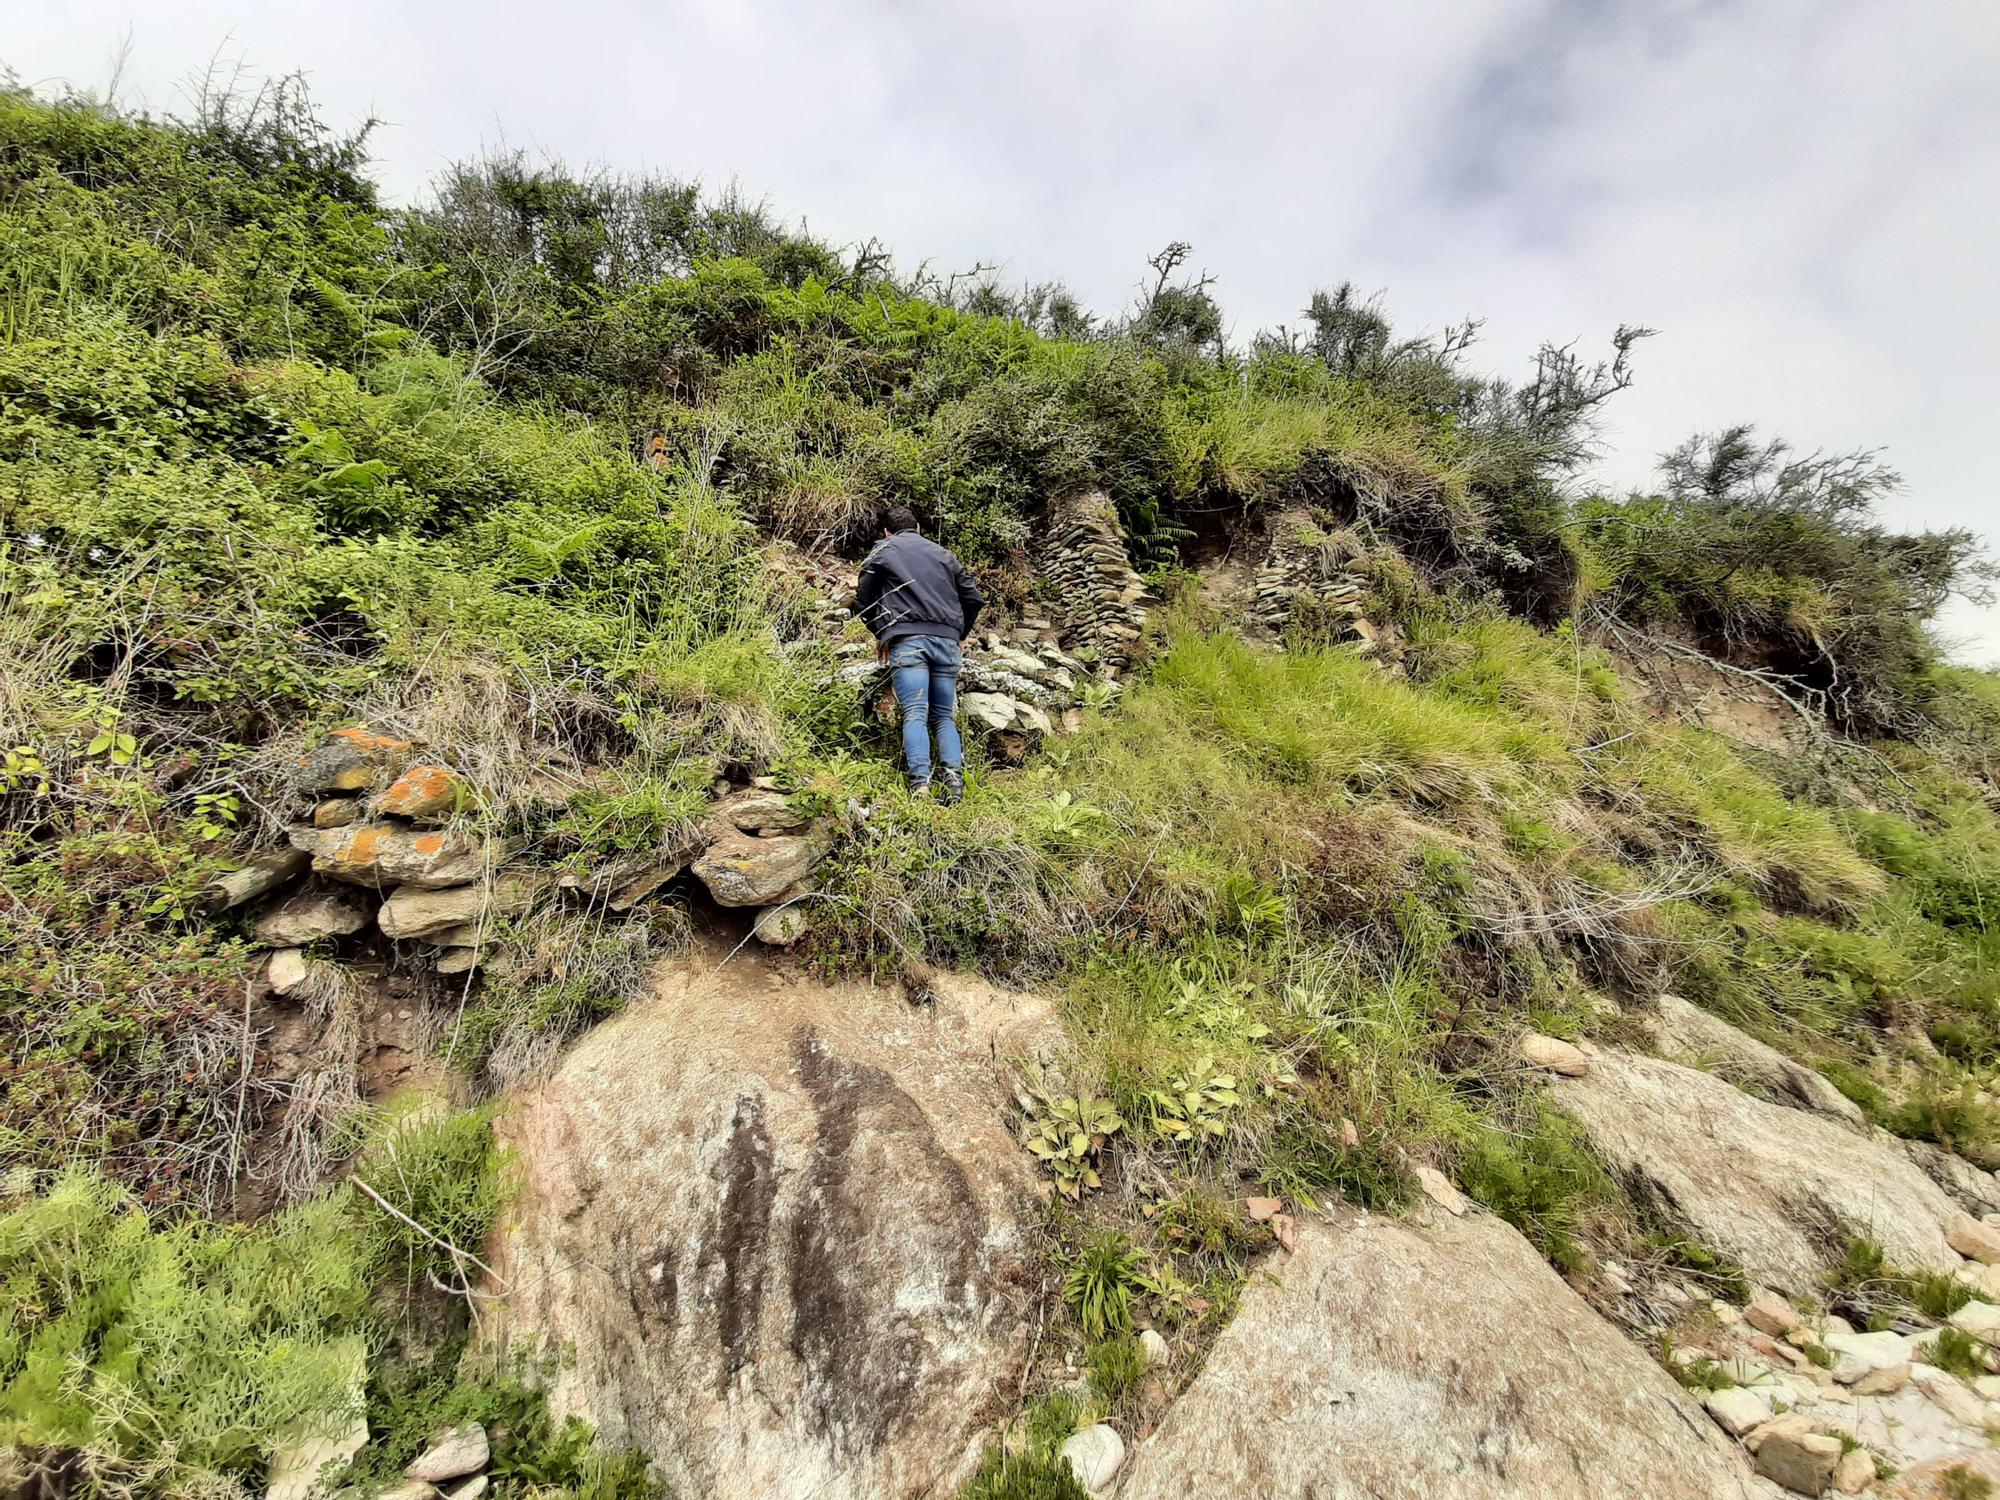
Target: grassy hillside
{"type": "Point", "coordinates": [511, 464]}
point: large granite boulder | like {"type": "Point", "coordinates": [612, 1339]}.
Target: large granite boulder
{"type": "Point", "coordinates": [773, 1232]}
{"type": "Point", "coordinates": [1777, 1190]}
{"type": "Point", "coordinates": [1687, 1034]}
{"type": "Point", "coordinates": [1433, 1356]}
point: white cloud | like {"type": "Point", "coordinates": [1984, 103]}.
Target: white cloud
{"type": "Point", "coordinates": [1802, 195]}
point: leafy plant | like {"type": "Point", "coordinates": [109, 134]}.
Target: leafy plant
{"type": "Point", "coordinates": [1195, 1104]}
{"type": "Point", "coordinates": [1067, 1132]}
{"type": "Point", "coordinates": [177, 1349]}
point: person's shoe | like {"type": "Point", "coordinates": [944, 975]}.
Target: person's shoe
{"type": "Point", "coordinates": [921, 790]}
{"type": "Point", "coordinates": [954, 788]}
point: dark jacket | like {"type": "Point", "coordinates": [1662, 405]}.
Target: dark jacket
{"type": "Point", "coordinates": [912, 586]}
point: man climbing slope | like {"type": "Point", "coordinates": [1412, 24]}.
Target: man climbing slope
{"type": "Point", "coordinates": [919, 602]}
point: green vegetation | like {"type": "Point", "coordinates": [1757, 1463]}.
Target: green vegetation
{"type": "Point", "coordinates": [173, 1355]}
{"type": "Point", "coordinates": [1877, 1294]}
{"type": "Point", "coordinates": [523, 472]}
{"type": "Point", "coordinates": [171, 1352]}
{"type": "Point", "coordinates": [1023, 1464]}
{"type": "Point", "coordinates": [1107, 1274]}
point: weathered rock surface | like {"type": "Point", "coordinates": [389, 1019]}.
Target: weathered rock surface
{"type": "Point", "coordinates": [336, 812]}
{"type": "Point", "coordinates": [1777, 1190]}
{"type": "Point", "coordinates": [781, 926]}
{"type": "Point", "coordinates": [451, 1455]}
{"type": "Point", "coordinates": [1552, 1055]}
{"type": "Point", "coordinates": [1980, 1319]}
{"type": "Point", "coordinates": [1687, 1034]}
{"type": "Point", "coordinates": [287, 970]}
{"type": "Point", "coordinates": [1093, 1455]}
{"type": "Point", "coordinates": [1767, 1312]}
{"type": "Point", "coordinates": [352, 760]}
{"type": "Point", "coordinates": [1854, 1473]}
{"type": "Point", "coordinates": [623, 884]}
{"type": "Point", "coordinates": [740, 870]}
{"type": "Point", "coordinates": [308, 917]}
{"type": "Point", "coordinates": [990, 710]}
{"type": "Point", "coordinates": [260, 873]}
{"type": "Point", "coordinates": [761, 811]}
{"type": "Point", "coordinates": [426, 790]}
{"type": "Point", "coordinates": [1858, 1354]}
{"type": "Point", "coordinates": [1442, 1191]}
{"type": "Point", "coordinates": [1790, 1453]}
{"type": "Point", "coordinates": [1973, 1239]}
{"type": "Point", "coordinates": [1737, 1409]}
{"type": "Point", "coordinates": [1429, 1357]}
{"type": "Point", "coordinates": [303, 1457]}
{"type": "Point", "coordinates": [382, 854]}
{"type": "Point", "coordinates": [413, 912]}
{"type": "Point", "coordinates": [1975, 1188]}
{"type": "Point", "coordinates": [775, 1229]}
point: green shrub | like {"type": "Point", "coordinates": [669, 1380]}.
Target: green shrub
{"type": "Point", "coordinates": [1960, 1353]}
{"type": "Point", "coordinates": [1540, 1180]}
{"type": "Point", "coordinates": [533, 1454]}
{"type": "Point", "coordinates": [171, 1354]}
{"type": "Point", "coordinates": [1023, 1464]}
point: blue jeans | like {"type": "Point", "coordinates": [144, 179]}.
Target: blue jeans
{"type": "Point", "coordinates": [924, 669]}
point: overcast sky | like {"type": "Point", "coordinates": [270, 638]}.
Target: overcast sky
{"type": "Point", "coordinates": [1802, 195]}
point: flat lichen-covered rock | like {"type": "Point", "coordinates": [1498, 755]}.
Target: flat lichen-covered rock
{"type": "Point", "coordinates": [771, 1231]}
{"type": "Point", "coordinates": [383, 855]}
{"type": "Point", "coordinates": [1776, 1190]}
{"type": "Point", "coordinates": [1412, 1359]}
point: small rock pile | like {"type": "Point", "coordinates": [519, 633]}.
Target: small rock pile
{"type": "Point", "coordinates": [451, 1467]}
{"type": "Point", "coordinates": [762, 853]}
{"type": "Point", "coordinates": [1816, 1402]}
{"type": "Point", "coordinates": [382, 845]}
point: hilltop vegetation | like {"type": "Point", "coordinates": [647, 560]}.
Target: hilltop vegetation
{"type": "Point", "coordinates": [277, 458]}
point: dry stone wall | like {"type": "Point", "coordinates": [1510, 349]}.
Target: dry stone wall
{"type": "Point", "coordinates": [1098, 595]}
{"type": "Point", "coordinates": [1307, 568]}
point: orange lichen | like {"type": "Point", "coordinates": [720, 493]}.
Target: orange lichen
{"type": "Point", "coordinates": [421, 790]}
{"type": "Point", "coordinates": [363, 738]}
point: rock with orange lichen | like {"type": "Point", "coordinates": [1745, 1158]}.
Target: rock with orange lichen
{"type": "Point", "coordinates": [425, 790]}
{"type": "Point", "coordinates": [353, 759]}
{"type": "Point", "coordinates": [383, 854]}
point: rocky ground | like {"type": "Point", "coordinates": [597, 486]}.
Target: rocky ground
{"type": "Point", "coordinates": [776, 1231]}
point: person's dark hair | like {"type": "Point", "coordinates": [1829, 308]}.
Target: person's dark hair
{"type": "Point", "coordinates": [899, 518]}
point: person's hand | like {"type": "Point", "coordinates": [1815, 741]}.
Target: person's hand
{"type": "Point", "coordinates": [882, 652]}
